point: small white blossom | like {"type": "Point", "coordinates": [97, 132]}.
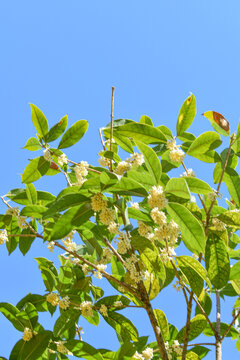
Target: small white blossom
{"type": "Point", "coordinates": [124, 244]}
{"type": "Point", "coordinates": [156, 198]}
{"type": "Point", "coordinates": [103, 161]}
{"type": "Point", "coordinates": [158, 216]}
{"type": "Point", "coordinates": [176, 155]}
{"type": "Point", "coordinates": [106, 255]}
{"type": "Point", "coordinates": [53, 298]}
{"type": "Point", "coordinates": [166, 254]}
{"type": "Point", "coordinates": [51, 245]}
{"type": "Point", "coordinates": [138, 356]}
{"type": "Point", "coordinates": [122, 167]}
{"type": "Point", "coordinates": [28, 334]}
{"type": "Point", "coordinates": [3, 236]}
{"type": "Point", "coordinates": [147, 353]}
{"type": "Point", "coordinates": [86, 308]}
{"type": "Point", "coordinates": [62, 159]}
{"type": "Point", "coordinates": [189, 173]}
{"type": "Point", "coordinates": [107, 216]}
{"type": "Point", "coordinates": [47, 155]}
{"type": "Point", "coordinates": [171, 144]}
{"type": "Point", "coordinates": [64, 303]}
{"type": "Point", "coordinates": [61, 348]}
{"type": "Point", "coordinates": [69, 243]}
{"type": "Point", "coordinates": [103, 310]}
{"type": "Point", "coordinates": [100, 269]}
{"type": "Point", "coordinates": [143, 229]}
{"type": "Point", "coordinates": [98, 203]}
{"type": "Point", "coordinates": [113, 228]}
{"type": "Point", "coordinates": [81, 171]}
{"type": "Point", "coordinates": [218, 224]}
{"type": "Point", "coordinates": [134, 205]}
{"type": "Point", "coordinates": [137, 159]}
{"type": "Point", "coordinates": [118, 304]}
{"type": "Point", "coordinates": [14, 211]}
{"type": "Point", "coordinates": [21, 220]}
{"type": "Point", "coordinates": [85, 269]}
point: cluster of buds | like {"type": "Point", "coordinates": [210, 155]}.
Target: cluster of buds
{"type": "Point", "coordinates": [54, 300]}
{"type": "Point", "coordinates": [81, 171]}
{"type": "Point", "coordinates": [21, 220]}
{"type": "Point", "coordinates": [146, 354]}
{"type": "Point", "coordinates": [176, 154]}
{"type": "Point", "coordinates": [174, 349]}
{"type": "Point", "coordinates": [126, 165]}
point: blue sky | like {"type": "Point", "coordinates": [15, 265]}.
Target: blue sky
{"type": "Point", "coordinates": [64, 56]}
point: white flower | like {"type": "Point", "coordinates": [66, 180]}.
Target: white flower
{"type": "Point", "coordinates": [85, 269]}
{"type": "Point", "coordinates": [189, 173]}
{"type": "Point", "coordinates": [122, 167]}
{"type": "Point", "coordinates": [137, 159]}
{"type": "Point", "coordinates": [86, 308]}
{"type": "Point", "coordinates": [81, 171]}
{"type": "Point", "coordinates": [103, 310]}
{"type": "Point", "coordinates": [124, 244]}
{"type": "Point", "coordinates": [103, 161]}
{"type": "Point", "coordinates": [28, 334]}
{"type": "Point", "coordinates": [107, 216]}
{"type": "Point", "coordinates": [176, 155]}
{"type": "Point", "coordinates": [3, 236]}
{"type": "Point", "coordinates": [171, 144]}
{"type": "Point", "coordinates": [51, 245]}
{"type": "Point", "coordinates": [100, 269]}
{"type": "Point", "coordinates": [137, 356]}
{"type": "Point", "coordinates": [14, 211]}
{"type": "Point", "coordinates": [98, 203]}
{"type": "Point", "coordinates": [61, 348]}
{"type": "Point", "coordinates": [106, 255]}
{"type": "Point", "coordinates": [113, 228]}
{"type": "Point", "coordinates": [69, 243]}
{"type": "Point", "coordinates": [143, 229]}
{"type": "Point", "coordinates": [21, 220]}
{"type": "Point", "coordinates": [166, 254]}
{"type": "Point", "coordinates": [134, 205]}
{"type": "Point", "coordinates": [118, 304]}
{"type": "Point", "coordinates": [147, 353]}
{"type": "Point", "coordinates": [62, 159]}
{"type": "Point", "coordinates": [64, 303]}
{"type": "Point", "coordinates": [218, 224]}
{"type": "Point", "coordinates": [47, 155]}
{"type": "Point", "coordinates": [53, 298]}
{"type": "Point", "coordinates": [156, 198]}
{"type": "Point", "coordinates": [213, 195]}
{"type": "Point", "coordinates": [158, 216]}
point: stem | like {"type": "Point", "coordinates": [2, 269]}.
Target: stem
{"type": "Point", "coordinates": [213, 344]}
{"type": "Point", "coordinates": [218, 327]}
{"type": "Point", "coordinates": [186, 337]}
{"type": "Point", "coordinates": [100, 133]}
{"type": "Point", "coordinates": [229, 327]}
{"type": "Point", "coordinates": [111, 133]}
{"type": "Point", "coordinates": [114, 251]}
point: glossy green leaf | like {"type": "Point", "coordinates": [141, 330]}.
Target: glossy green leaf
{"type": "Point", "coordinates": [57, 130]}
{"type": "Point", "coordinates": [144, 119]}
{"type": "Point", "coordinates": [206, 303]}
{"type": "Point", "coordinates": [129, 186]}
{"type": "Point", "coordinates": [26, 242]}
{"type": "Point", "coordinates": [217, 261]}
{"type": "Point", "coordinates": [35, 170]}
{"type": "Point", "coordinates": [84, 350]}
{"type": "Point", "coordinates": [16, 353]}
{"type": "Point", "coordinates": [33, 211]}
{"type": "Point", "coordinates": [209, 157]}
{"type": "Point", "coordinates": [11, 312]}
{"type": "Point", "coordinates": [192, 355]}
{"type": "Point", "coordinates": [162, 323]}
{"type": "Point", "coordinates": [231, 218]}
{"type": "Point", "coordinates": [121, 140]}
{"type": "Point", "coordinates": [20, 197]}
{"type": "Point", "coordinates": [194, 272]}
{"type": "Point", "coordinates": [138, 215]}
{"type": "Point", "coordinates": [198, 186]}
{"type": "Point", "coordinates": [186, 114]}
{"type": "Point", "coordinates": [65, 202]}
{"type": "Point", "coordinates": [232, 181]}
{"type": "Point", "coordinates": [142, 132]}
{"type": "Point", "coordinates": [72, 218]}
{"type": "Point", "coordinates": [12, 242]}
{"type": "Point", "coordinates": [31, 193]}
{"type": "Point", "coordinates": [143, 177]}
{"type": "Point", "coordinates": [208, 331]}
{"type": "Point", "coordinates": [39, 121]}
{"type": "Point", "coordinates": [178, 187]}
{"type": "Point", "coordinates": [110, 155]}
{"type": "Point", "coordinates": [191, 229]}
{"type": "Point", "coordinates": [39, 301]}
{"type": "Point", "coordinates": [110, 300]}
{"type": "Point", "coordinates": [235, 271]}
{"type": "Point", "coordinates": [28, 316]}
{"type": "Point", "coordinates": [107, 179]}
{"type": "Point", "coordinates": [34, 348]}
{"type": "Point", "coordinates": [166, 131]}
{"type": "Point", "coordinates": [197, 325]}
{"type": "Point", "coordinates": [67, 319]}
{"type": "Point", "coordinates": [123, 326]}
{"type": "Point", "coordinates": [204, 142]}
{"type": "Point", "coordinates": [151, 160]}
{"type": "Point", "coordinates": [33, 144]}
{"type": "Point", "coordinates": [73, 134]}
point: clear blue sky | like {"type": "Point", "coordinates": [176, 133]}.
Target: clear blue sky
{"type": "Point", "coordinates": [64, 56]}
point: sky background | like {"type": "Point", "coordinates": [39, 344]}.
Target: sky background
{"type": "Point", "coordinates": [64, 57]}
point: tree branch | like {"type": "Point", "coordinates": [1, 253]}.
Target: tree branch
{"type": "Point", "coordinates": [229, 327]}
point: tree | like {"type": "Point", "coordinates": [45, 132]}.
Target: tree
{"type": "Point", "coordinates": [130, 244]}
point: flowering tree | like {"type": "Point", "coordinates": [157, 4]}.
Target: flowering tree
{"type": "Point", "coordinates": [123, 221]}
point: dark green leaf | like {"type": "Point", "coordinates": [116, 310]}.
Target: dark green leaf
{"type": "Point", "coordinates": [35, 170]}
{"type": "Point", "coordinates": [73, 134]}
{"type": "Point", "coordinates": [34, 348]}
{"type": "Point", "coordinates": [197, 325]}
{"type": "Point", "coordinates": [11, 312]}
{"type": "Point", "coordinates": [123, 326]}
{"type": "Point", "coordinates": [57, 130]}
{"type": "Point", "coordinates": [66, 320]}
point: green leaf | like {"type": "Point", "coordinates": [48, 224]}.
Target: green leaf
{"type": "Point", "coordinates": [143, 177]}
{"type": "Point", "coordinates": [57, 130]}
{"type": "Point", "coordinates": [217, 261]}
{"type": "Point", "coordinates": [142, 132]}
{"type": "Point", "coordinates": [110, 155]}
{"type": "Point", "coordinates": [33, 211]}
{"type": "Point", "coordinates": [123, 326]}
{"type": "Point", "coordinates": [66, 320]}
{"type": "Point", "coordinates": [204, 142]}
{"type": "Point", "coordinates": [235, 271]}
{"type": "Point", "coordinates": [194, 272]}
{"type": "Point", "coordinates": [232, 181]}
{"type": "Point", "coordinates": [34, 348]}
{"type": "Point", "coordinates": [138, 215]}
{"type": "Point", "coordinates": [38, 301]}
{"type": "Point", "coordinates": [206, 303]}
{"type": "Point", "coordinates": [201, 351]}
{"type": "Point", "coordinates": [28, 316]}
{"type": "Point", "coordinates": [208, 331]}
{"type": "Point", "coordinates": [214, 118]}
{"type": "Point", "coordinates": [231, 218]}
{"type": "Point", "coordinates": [107, 179]}
{"type": "Point", "coordinates": [73, 134]}
{"type": "Point", "coordinates": [178, 187]}
{"type": "Point", "coordinates": [198, 186]}
{"type": "Point", "coordinates": [16, 353]}
{"type": "Point", "coordinates": [144, 119]}
{"type": "Point", "coordinates": [39, 121]}
{"type": "Point", "coordinates": [65, 202]}
{"type": "Point", "coordinates": [35, 170]}
{"type": "Point", "coordinates": [186, 114]}
{"type": "Point", "coordinates": [209, 157]}
{"type": "Point", "coordinates": [20, 197]}
{"type": "Point", "coordinates": [162, 322]}
{"type": "Point", "coordinates": [12, 242]}
{"type": "Point", "coordinates": [121, 140]}
{"type": "Point", "coordinates": [191, 229]}
{"type": "Point", "coordinates": [31, 193]}
{"type": "Point", "coordinates": [129, 186]}
{"type": "Point", "coordinates": [151, 160]}
{"type": "Point", "coordinates": [83, 350]}
{"type": "Point", "coordinates": [72, 218]}
{"type": "Point", "coordinates": [110, 300]}
{"type": "Point", "coordinates": [33, 144]}
{"type": "Point", "coordinates": [11, 312]}
{"type": "Point", "coordinates": [197, 325]}
{"type": "Point", "coordinates": [25, 242]}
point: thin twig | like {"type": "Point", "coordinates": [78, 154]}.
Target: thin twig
{"type": "Point", "coordinates": [114, 251]}
{"type": "Point", "coordinates": [187, 326]}
{"type": "Point", "coordinates": [229, 327]}
{"type": "Point", "coordinates": [111, 132]}
{"type": "Point", "coordinates": [213, 344]}
{"type": "Point", "coordinates": [100, 133]}
{"type": "Point", "coordinates": [21, 235]}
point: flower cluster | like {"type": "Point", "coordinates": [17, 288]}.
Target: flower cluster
{"type": "Point", "coordinates": [64, 303]}
{"type": "Point", "coordinates": [124, 244]}
{"type": "Point", "coordinates": [100, 268]}
{"type": "Point", "coordinates": [113, 228]}
{"type": "Point", "coordinates": [214, 195]}
{"type": "Point", "coordinates": [103, 161]}
{"type": "Point", "coordinates": [14, 211]}
{"type": "Point", "coordinates": [81, 171]}
{"type": "Point", "coordinates": [53, 299]}
{"type": "Point", "coordinates": [118, 303]}
{"type": "Point", "coordinates": [62, 159]}
{"type": "Point", "coordinates": [137, 159]}
{"type": "Point", "coordinates": [174, 349]}
{"type": "Point", "coordinates": [143, 229]}
{"type": "Point", "coordinates": [130, 265]}
{"type": "Point", "coordinates": [98, 203]}
{"type": "Point", "coordinates": [218, 224]}
{"type": "Point", "coordinates": [158, 216]}
{"type": "Point", "coordinates": [106, 255]}
{"type": "Point", "coordinates": [168, 232]}
{"type": "Point", "coordinates": [166, 254]}
{"type": "Point", "coordinates": [28, 334]}
{"type": "Point", "coordinates": [21, 220]}
{"type": "Point", "coordinates": [175, 154]}
{"type": "Point", "coordinates": [69, 243]}
{"type": "Point", "coordinates": [3, 236]}
{"type": "Point", "coordinates": [146, 354]}
{"type": "Point", "coordinates": [86, 308]}
{"type": "Point", "coordinates": [157, 198]}
{"type": "Point", "coordinates": [126, 165]}
{"type": "Point", "coordinates": [134, 205]}
{"type": "Point", "coordinates": [61, 348]}
{"type": "Point", "coordinates": [85, 269]}
{"type": "Point", "coordinates": [47, 155]}
{"type": "Point", "coordinates": [51, 245]}
{"type": "Point", "coordinates": [107, 216]}
{"type": "Point", "coordinates": [189, 173]}
{"type": "Point", "coordinates": [103, 310]}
